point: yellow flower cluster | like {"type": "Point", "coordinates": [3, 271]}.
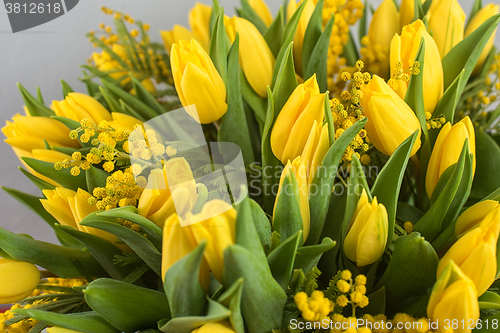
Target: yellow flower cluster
{"type": "Point", "coordinates": [314, 308]}
{"type": "Point", "coordinates": [434, 123]}
{"type": "Point", "coordinates": [379, 324]}
{"type": "Point", "coordinates": [399, 74]}
{"type": "Point", "coordinates": [355, 289]}
{"type": "Point", "coordinates": [347, 110]}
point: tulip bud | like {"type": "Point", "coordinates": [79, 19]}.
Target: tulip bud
{"type": "Point", "coordinates": [474, 215]}
{"type": "Point", "coordinates": [216, 327]}
{"type": "Point", "coordinates": [404, 50]}
{"type": "Point", "coordinates": [446, 22]}
{"type": "Point", "coordinates": [177, 34]}
{"type": "Point", "coordinates": [256, 58]}
{"type": "Point", "coordinates": [198, 82]}
{"type": "Point", "coordinates": [260, 7]}
{"type": "Point", "coordinates": [56, 329]}
{"type": "Point", "coordinates": [122, 121]}
{"type": "Point", "coordinates": [453, 297]}
{"type": "Point", "coordinates": [390, 119]}
{"type": "Point", "coordinates": [482, 15]}
{"type": "Point", "coordinates": [384, 24]}
{"type": "Point", "coordinates": [407, 12]}
{"type": "Point", "coordinates": [367, 233]}
{"type": "Point", "coordinates": [447, 150]}
{"type": "Point", "coordinates": [475, 253]}
{"type": "Point", "coordinates": [316, 147]}
{"type": "Point", "coordinates": [199, 21]}
{"type": "Point", "coordinates": [298, 38]}
{"type": "Point", "coordinates": [17, 280]}
{"type": "Point", "coordinates": [170, 188]}
{"type": "Point", "coordinates": [78, 106]}
{"type": "Point", "coordinates": [294, 122]}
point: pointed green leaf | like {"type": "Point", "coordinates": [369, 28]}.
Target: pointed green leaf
{"type": "Point", "coordinates": [308, 256]}
{"type": "Point", "coordinates": [478, 4]}
{"type": "Point", "coordinates": [248, 13]}
{"type": "Point", "coordinates": [313, 32]}
{"type": "Point", "coordinates": [145, 96]}
{"type": "Point", "coordinates": [286, 81]}
{"type": "Point", "coordinates": [34, 106]}
{"type": "Point", "coordinates": [262, 224]}
{"type": "Point", "coordinates": [40, 183]}
{"type": "Point", "coordinates": [218, 46]}
{"type": "Point", "coordinates": [231, 299]}
{"type": "Point", "coordinates": [282, 258]}
{"type": "Point", "coordinates": [246, 232]}
{"type": "Point", "coordinates": [487, 165]}
{"type": "Point", "coordinates": [66, 89]}
{"type": "Point", "coordinates": [275, 31]}
{"type": "Point", "coordinates": [95, 178]}
{"type": "Point", "coordinates": [415, 93]}
{"type": "Point", "coordinates": [449, 101]}
{"type": "Point", "coordinates": [140, 107]}
{"type": "Point", "coordinates": [350, 52]}
{"type": "Point", "coordinates": [287, 218]}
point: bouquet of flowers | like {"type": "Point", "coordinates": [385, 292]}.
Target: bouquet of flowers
{"type": "Point", "coordinates": [267, 174]}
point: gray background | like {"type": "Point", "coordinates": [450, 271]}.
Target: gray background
{"type": "Point", "coordinates": [45, 54]}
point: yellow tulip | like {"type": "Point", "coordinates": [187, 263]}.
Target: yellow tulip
{"type": "Point", "coordinates": [260, 7]}
{"type": "Point", "coordinates": [17, 280]}
{"type": "Point", "coordinates": [299, 169]}
{"type": "Point", "coordinates": [453, 297]}
{"type": "Point", "coordinates": [56, 329]}
{"type": "Point", "coordinates": [256, 58]}
{"type": "Point", "coordinates": [384, 25]}
{"type": "Point", "coordinates": [48, 155]}
{"type": "Point", "coordinates": [474, 215]}
{"type": "Point", "coordinates": [404, 49]}
{"type": "Point", "coordinates": [475, 252]}
{"type": "Point", "coordinates": [294, 122]}
{"type": "Point", "coordinates": [447, 149]}
{"type": "Point", "coordinates": [216, 327]}
{"type": "Point", "coordinates": [162, 197]}
{"type": "Point", "coordinates": [198, 82]}
{"type": "Point", "coordinates": [407, 12]}
{"type": "Point", "coordinates": [78, 106]}
{"type": "Point", "coordinates": [390, 119]}
{"type": "Point", "coordinates": [316, 147]}
{"type": "Point", "coordinates": [482, 15]}
{"type": "Point", "coordinates": [446, 22]}
{"type": "Point", "coordinates": [298, 38]}
{"type": "Point", "coordinates": [199, 21]}
{"type": "Point", "coordinates": [122, 121]}
{"type": "Point", "coordinates": [367, 233]}
{"type": "Point", "coordinates": [177, 34]}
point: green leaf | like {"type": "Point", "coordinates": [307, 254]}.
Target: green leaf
{"type": "Point", "coordinates": [363, 24]}
{"type": "Point", "coordinates": [489, 300]}
{"type": "Point", "coordinates": [256, 103]}
{"type": "Point", "coordinates": [218, 45]}
{"type": "Point", "coordinates": [317, 63]}
{"type": "Point", "coordinates": [426, 6]}
{"type": "Point", "coordinates": [449, 101]}
{"type": "Point", "coordinates": [388, 183]}
{"type": "Point", "coordinates": [313, 32]}
{"type": "Point", "coordinates": [329, 120]}
{"type": "Point", "coordinates": [34, 106]}
{"type": "Point", "coordinates": [231, 299]}
{"type": "Point", "coordinates": [86, 322]}
{"type": "Point", "coordinates": [287, 218]}
{"type": "Point", "coordinates": [465, 54]}
{"type": "Point", "coordinates": [282, 258]}
{"type": "Point", "coordinates": [113, 103]}
{"type": "Point", "coordinates": [275, 31]}
{"type": "Point", "coordinates": [415, 93]}
{"type": "Point", "coordinates": [66, 89]}
{"type": "Point", "coordinates": [182, 285]}
{"type": "Point", "coordinates": [411, 271]}
{"type": "Point", "coordinates": [234, 127]}
{"type": "Point", "coordinates": [248, 13]}
{"type": "Point", "coordinates": [308, 256]}
{"type": "Point", "coordinates": [145, 111]}
{"type": "Point", "coordinates": [323, 181]}
{"type": "Point", "coordinates": [40, 183]}
{"type": "Point", "coordinates": [377, 303]}
{"type": "Point", "coordinates": [419, 11]}
{"type": "Point", "coordinates": [95, 178]}
{"type": "Point", "coordinates": [128, 307]}
{"type": "Point", "coordinates": [39, 96]}
{"type": "Point", "coordinates": [286, 81]}
{"type": "Point", "coordinates": [262, 224]}
{"type": "Point", "coordinates": [145, 96]}
{"type": "Point", "coordinates": [487, 165]}
{"type": "Point", "coordinates": [246, 230]}
{"type": "Point", "coordinates": [350, 52]}
{"type": "Point", "coordinates": [478, 4]}
{"type": "Point", "coordinates": [408, 213]}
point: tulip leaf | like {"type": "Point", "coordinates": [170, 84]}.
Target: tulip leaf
{"type": "Point", "coordinates": [378, 303]}
{"type": "Point", "coordinates": [246, 230]}
{"type": "Point", "coordinates": [256, 103]}
{"type": "Point", "coordinates": [430, 224]}
{"type": "Point", "coordinates": [350, 52]}
{"type": "Point", "coordinates": [415, 93]}
{"type": "Point", "coordinates": [449, 101]}
{"type": "Point", "coordinates": [287, 218]}
{"type": "Point", "coordinates": [408, 213]}
{"type": "Point", "coordinates": [72, 125]}
{"type": "Point", "coordinates": [274, 33]}
{"type": "Point", "coordinates": [34, 106]}
{"type": "Point", "coordinates": [103, 250]}
{"type": "Point", "coordinates": [317, 63]}
{"type": "Point", "coordinates": [66, 89]}
{"type": "Point", "coordinates": [465, 54]}
{"type": "Point", "coordinates": [263, 299]}
{"type": "Point", "coordinates": [218, 46]}
{"type": "Point", "coordinates": [313, 32]}
{"type": "Point", "coordinates": [39, 96]}
{"type": "Point", "coordinates": [282, 258]}
{"type": "Point", "coordinates": [286, 81]}
{"type": "Point", "coordinates": [486, 178]}
{"type": "Point", "coordinates": [478, 4]}
{"type": "Point", "coordinates": [247, 12]}
{"type": "Point", "coordinates": [137, 242]}
{"type": "Point", "coordinates": [363, 24]}
{"type": "Point", "coordinates": [234, 127]}
{"type": "Point", "coordinates": [63, 261]}
{"type": "Point", "coordinates": [489, 300]}
{"type": "Point", "coordinates": [85, 322]}
{"type": "Point", "coordinates": [95, 178]}
{"type": "Point", "coordinates": [262, 224]}
{"type": "Point", "coordinates": [323, 181]}
{"type": "Point", "coordinates": [231, 299]}
{"type": "Point", "coordinates": [182, 285]}
{"type": "Point", "coordinates": [485, 68]}
{"type": "Point", "coordinates": [388, 183]}
{"type": "Point", "coordinates": [145, 96]}
{"type": "Point", "coordinates": [411, 271]}
{"type": "Point", "coordinates": [113, 104]}
{"type": "Point", "coordinates": [216, 313]}
{"type": "Point", "coordinates": [418, 9]}
{"type": "Point", "coordinates": [40, 183]}
{"type": "Point", "coordinates": [329, 120]}
{"type": "Point", "coordinates": [426, 6]}
{"type": "Point", "coordinates": [308, 256]}
{"type": "Point", "coordinates": [128, 307]}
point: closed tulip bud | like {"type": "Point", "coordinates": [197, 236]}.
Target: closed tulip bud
{"type": "Point", "coordinates": [475, 253]}
{"type": "Point", "coordinates": [367, 233]}
{"type": "Point", "coordinates": [474, 215]}
{"type": "Point", "coordinates": [453, 296]}
{"type": "Point", "coordinates": [198, 82]}
{"type": "Point", "coordinates": [216, 327]}
{"type": "Point", "coordinates": [384, 24]}
{"type": "Point", "coordinates": [56, 329]}
{"type": "Point", "coordinates": [260, 7]}
{"type": "Point", "coordinates": [316, 147]}
{"type": "Point", "coordinates": [199, 21]}
{"type": "Point", "coordinates": [170, 190]}
{"type": "Point", "coordinates": [404, 50]}
{"type": "Point", "coordinates": [407, 12]}
{"type": "Point", "coordinates": [256, 58]}
{"type": "Point", "coordinates": [482, 15]}
{"type": "Point", "coordinates": [447, 149]}
{"type": "Point", "coordinates": [17, 280]}
{"type": "Point", "coordinates": [78, 106]}
{"type": "Point", "coordinates": [390, 119]}
{"type": "Point", "coordinates": [295, 121]}
{"type": "Point", "coordinates": [446, 22]}
{"type": "Point", "coordinates": [177, 34]}
{"type": "Point", "coordinates": [298, 38]}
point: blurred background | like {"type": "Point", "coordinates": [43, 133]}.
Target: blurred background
{"type": "Point", "coordinates": [43, 55]}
